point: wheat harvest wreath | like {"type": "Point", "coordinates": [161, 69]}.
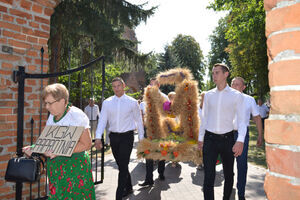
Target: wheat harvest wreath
{"type": "Point", "coordinates": [168, 139]}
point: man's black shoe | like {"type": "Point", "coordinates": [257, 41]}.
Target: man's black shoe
{"type": "Point", "coordinates": [146, 183]}
{"type": "Point", "coordinates": [127, 192]}
{"type": "Point", "coordinates": [161, 177]}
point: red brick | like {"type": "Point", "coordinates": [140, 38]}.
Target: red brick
{"type": "Point", "coordinates": [43, 41]}
{"type": "Point", "coordinates": [10, 26]}
{"type": "Point", "coordinates": [12, 149]}
{"type": "Point", "coordinates": [280, 160]}
{"type": "Point", "coordinates": [8, 103]}
{"type": "Point", "coordinates": [285, 102]}
{"type": "Point", "coordinates": [7, 65]}
{"type": "Point", "coordinates": [21, 21]}
{"type": "Point", "coordinates": [46, 3]}
{"type": "Point", "coordinates": [31, 82]}
{"type": "Point", "coordinates": [32, 53]}
{"type": "Point", "coordinates": [19, 51]}
{"type": "Point", "coordinates": [8, 196]}
{"type": "Point", "coordinates": [3, 41]}
{"type": "Point", "coordinates": [27, 31]}
{"type": "Point", "coordinates": [4, 111]}
{"type": "Point", "coordinates": [8, 18]}
{"type": "Point", "coordinates": [28, 89]}
{"type": "Point", "coordinates": [5, 72]}
{"type": "Point", "coordinates": [37, 8]}
{"type": "Point", "coordinates": [42, 20]}
{"type": "Point", "coordinates": [5, 141]}
{"type": "Point", "coordinates": [41, 34]}
{"type": "Point", "coordinates": [14, 35]}
{"type": "Point", "coordinates": [9, 57]}
{"type": "Point", "coordinates": [28, 60]}
{"type": "Point", "coordinates": [269, 4]}
{"type": "Point", "coordinates": [279, 188]}
{"type": "Point", "coordinates": [21, 14]}
{"type": "Point", "coordinates": [31, 67]}
{"type": "Point", "coordinates": [7, 1]}
{"type": "Point", "coordinates": [284, 73]}
{"type": "Point", "coordinates": [26, 4]}
{"type": "Point", "coordinates": [282, 18]}
{"type": "Point", "coordinates": [6, 95]}
{"type": "Point", "coordinates": [6, 126]}
{"type": "Point", "coordinates": [34, 24]}
{"type": "Point", "coordinates": [11, 118]}
{"type": "Point", "coordinates": [46, 28]}
{"type": "Point", "coordinates": [32, 96]}
{"type": "Point", "coordinates": [4, 189]}
{"type": "Point", "coordinates": [19, 44]}
{"type": "Point", "coordinates": [48, 11]}
{"type": "Point", "coordinates": [3, 9]}
{"type": "Point", "coordinates": [32, 39]}
{"type": "Point", "coordinates": [284, 41]}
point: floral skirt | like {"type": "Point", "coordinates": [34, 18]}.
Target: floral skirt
{"type": "Point", "coordinates": [71, 177]}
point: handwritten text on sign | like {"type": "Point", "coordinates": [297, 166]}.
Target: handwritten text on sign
{"type": "Point", "coordinates": [60, 139]}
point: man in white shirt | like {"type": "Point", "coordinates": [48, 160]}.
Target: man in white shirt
{"type": "Point", "coordinates": [250, 107]}
{"type": "Point", "coordinates": [123, 115]}
{"type": "Point", "coordinates": [149, 162]}
{"type": "Point", "coordinates": [92, 111]}
{"type": "Point", "coordinates": [221, 104]}
{"type": "Point", "coordinates": [263, 111]}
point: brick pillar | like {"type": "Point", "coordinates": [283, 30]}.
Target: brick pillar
{"type": "Point", "coordinates": [24, 30]}
{"type": "Point", "coordinates": [282, 132]}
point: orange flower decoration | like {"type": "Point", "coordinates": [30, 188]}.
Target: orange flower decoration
{"type": "Point", "coordinates": [175, 153]}
{"type": "Point", "coordinates": [163, 152]}
{"type": "Point", "coordinates": [146, 151]}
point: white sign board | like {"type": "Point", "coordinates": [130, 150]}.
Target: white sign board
{"type": "Point", "coordinates": [61, 140]}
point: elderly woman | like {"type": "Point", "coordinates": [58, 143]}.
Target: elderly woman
{"type": "Point", "coordinates": [69, 177]}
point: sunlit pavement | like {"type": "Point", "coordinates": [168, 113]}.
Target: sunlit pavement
{"type": "Point", "coordinates": [183, 182]}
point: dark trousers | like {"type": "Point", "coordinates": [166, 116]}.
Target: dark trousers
{"type": "Point", "coordinates": [149, 165]}
{"type": "Point", "coordinates": [242, 165]}
{"type": "Point", "coordinates": [149, 169]}
{"type": "Point", "coordinates": [213, 146]}
{"type": "Point", "coordinates": [121, 146]}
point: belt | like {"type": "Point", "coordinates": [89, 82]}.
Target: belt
{"type": "Point", "coordinates": [122, 133]}
{"type": "Point", "coordinates": [219, 136]}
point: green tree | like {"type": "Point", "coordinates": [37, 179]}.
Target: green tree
{"type": "Point", "coordinates": [247, 42]}
{"type": "Point", "coordinates": [218, 52]}
{"type": "Point", "coordinates": [189, 54]}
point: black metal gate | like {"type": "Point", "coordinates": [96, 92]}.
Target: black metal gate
{"type": "Point", "coordinates": [19, 77]}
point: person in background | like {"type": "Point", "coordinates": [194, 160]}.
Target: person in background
{"type": "Point", "coordinates": [216, 136]}
{"type": "Point", "coordinates": [149, 162]}
{"type": "Point", "coordinates": [92, 111]}
{"type": "Point", "coordinates": [201, 166]}
{"type": "Point", "coordinates": [263, 112]}
{"type": "Point", "coordinates": [171, 96]}
{"type": "Point", "coordinates": [123, 116]}
{"type": "Point", "coordinates": [69, 177]}
{"type": "Point", "coordinates": [250, 107]}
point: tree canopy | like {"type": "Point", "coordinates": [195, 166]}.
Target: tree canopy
{"type": "Point", "coordinates": [247, 49]}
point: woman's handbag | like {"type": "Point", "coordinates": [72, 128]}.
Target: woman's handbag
{"type": "Point", "coordinates": [24, 169]}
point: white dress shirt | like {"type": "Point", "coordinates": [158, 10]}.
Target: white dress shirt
{"type": "Point", "coordinates": [122, 114]}
{"type": "Point", "coordinates": [142, 108]}
{"type": "Point", "coordinates": [92, 112]}
{"type": "Point", "coordinates": [219, 110]}
{"type": "Point", "coordinates": [250, 107]}
{"type": "Point", "coordinates": [263, 110]}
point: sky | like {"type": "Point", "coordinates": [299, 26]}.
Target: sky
{"type": "Point", "coordinates": [173, 17]}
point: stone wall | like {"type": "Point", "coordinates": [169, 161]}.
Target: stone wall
{"type": "Point", "coordinates": [282, 132]}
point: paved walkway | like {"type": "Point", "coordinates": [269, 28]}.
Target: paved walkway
{"type": "Point", "coordinates": [183, 182]}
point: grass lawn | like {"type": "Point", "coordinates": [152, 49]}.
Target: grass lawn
{"type": "Point", "coordinates": [256, 155]}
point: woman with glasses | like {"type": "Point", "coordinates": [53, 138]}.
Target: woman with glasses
{"type": "Point", "coordinates": [69, 177]}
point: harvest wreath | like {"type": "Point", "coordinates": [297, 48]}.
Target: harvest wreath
{"type": "Point", "coordinates": [167, 139]}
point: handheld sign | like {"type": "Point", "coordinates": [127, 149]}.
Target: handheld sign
{"type": "Point", "coordinates": [61, 140]}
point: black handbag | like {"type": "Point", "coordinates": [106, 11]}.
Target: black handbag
{"type": "Point", "coordinates": [23, 169]}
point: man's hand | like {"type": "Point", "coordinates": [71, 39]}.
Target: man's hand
{"type": "Point", "coordinates": [50, 154]}
{"type": "Point", "coordinates": [259, 141]}
{"type": "Point", "coordinates": [98, 144]}
{"type": "Point", "coordinates": [238, 149]}
{"type": "Point", "coordinates": [200, 145]}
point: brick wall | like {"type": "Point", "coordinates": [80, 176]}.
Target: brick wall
{"type": "Point", "coordinates": [282, 132]}
{"type": "Point", "coordinates": [24, 30]}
